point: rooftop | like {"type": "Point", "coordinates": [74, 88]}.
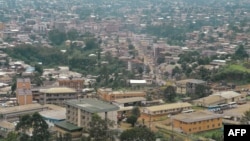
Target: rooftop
{"type": "Point", "coordinates": [7, 125]}
{"type": "Point", "coordinates": [196, 81]}
{"type": "Point", "coordinates": [67, 126]}
{"type": "Point", "coordinates": [196, 116]}
{"type": "Point", "coordinates": [57, 90]}
{"type": "Point", "coordinates": [227, 94]}
{"type": "Point", "coordinates": [168, 106]}
{"type": "Point", "coordinates": [128, 100]}
{"type": "Point", "coordinates": [23, 80]}
{"type": "Point", "coordinates": [92, 105]}
{"type": "Point", "coordinates": [21, 108]}
{"type": "Point", "coordinates": [138, 81]}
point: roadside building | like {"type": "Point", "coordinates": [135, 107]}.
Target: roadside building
{"type": "Point", "coordinates": [188, 85]}
{"type": "Point", "coordinates": [108, 95]}
{"type": "Point", "coordinates": [159, 111]}
{"type": "Point", "coordinates": [197, 121]}
{"type": "Point", "coordinates": [224, 97]}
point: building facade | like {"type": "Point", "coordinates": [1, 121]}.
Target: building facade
{"type": "Point", "coordinates": [109, 95]}
{"type": "Point", "coordinates": [74, 83]}
{"type": "Point", "coordinates": [79, 112]}
{"type": "Point", "coordinates": [56, 95]}
{"type": "Point", "coordinates": [197, 122]}
{"type": "Point", "coordinates": [23, 91]}
{"type": "Point", "coordinates": [188, 85]}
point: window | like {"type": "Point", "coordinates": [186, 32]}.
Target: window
{"type": "Point", "coordinates": [213, 125]}
{"type": "Point", "coordinates": [208, 126]}
{"type": "Point", "coordinates": [190, 129]}
{"type": "Point", "coordinates": [218, 124]}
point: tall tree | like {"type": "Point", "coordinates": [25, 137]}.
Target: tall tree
{"type": "Point", "coordinates": [137, 134]}
{"type": "Point", "coordinates": [36, 122]}
{"type": "Point", "coordinates": [12, 136]}
{"type": "Point", "coordinates": [99, 128]}
{"type": "Point", "coordinates": [246, 118]}
{"type": "Point", "coordinates": [72, 34]}
{"type": "Point", "coordinates": [169, 93]}
{"type": "Point", "coordinates": [240, 53]}
{"type": "Point", "coordinates": [57, 37]}
{"type": "Point", "coordinates": [136, 112]}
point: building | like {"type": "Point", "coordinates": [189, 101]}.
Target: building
{"type": "Point", "coordinates": [13, 113]}
{"type": "Point", "coordinates": [223, 97]}
{"type": "Point", "coordinates": [108, 95]}
{"type": "Point", "coordinates": [56, 95]}
{"type": "Point", "coordinates": [6, 127]}
{"type": "Point", "coordinates": [23, 91]}
{"type": "Point", "coordinates": [54, 114]}
{"type": "Point", "coordinates": [74, 83]}
{"type": "Point", "coordinates": [188, 85]}
{"type": "Point", "coordinates": [197, 121]}
{"type": "Point", "coordinates": [159, 111]}
{"type": "Point", "coordinates": [132, 101]}
{"type": "Point", "coordinates": [79, 113]}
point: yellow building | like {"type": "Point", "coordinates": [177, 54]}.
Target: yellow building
{"type": "Point", "coordinates": [197, 121]}
{"type": "Point", "coordinates": [155, 112]}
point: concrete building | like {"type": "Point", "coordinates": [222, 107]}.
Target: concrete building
{"type": "Point", "coordinates": [223, 97]}
{"type": "Point", "coordinates": [23, 91]}
{"type": "Point", "coordinates": [74, 83]}
{"type": "Point", "coordinates": [188, 85]}
{"type": "Point", "coordinates": [56, 95]}
{"type": "Point", "coordinates": [108, 95]}
{"type": "Point", "coordinates": [79, 114]}
{"type": "Point", "coordinates": [13, 113]}
{"type": "Point", "coordinates": [132, 101]}
{"type": "Point", "coordinates": [197, 121]}
{"type": "Point", "coordinates": [155, 112]}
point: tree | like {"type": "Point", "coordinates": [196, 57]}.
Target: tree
{"type": "Point", "coordinates": [132, 120]}
{"type": "Point", "coordinates": [240, 53]}
{"type": "Point", "coordinates": [99, 128]}
{"type": "Point", "coordinates": [39, 69]}
{"type": "Point", "coordinates": [12, 136]}
{"type": "Point", "coordinates": [136, 112]}
{"type": "Point", "coordinates": [40, 128]}
{"type": "Point", "coordinates": [72, 34]}
{"type": "Point", "coordinates": [170, 93]}
{"type": "Point", "coordinates": [246, 118]}
{"type": "Point", "coordinates": [57, 37]}
{"type": "Point", "coordinates": [36, 122]}
{"type": "Point", "coordinates": [137, 134]}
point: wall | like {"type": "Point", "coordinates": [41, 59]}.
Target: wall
{"type": "Point", "coordinates": [200, 126]}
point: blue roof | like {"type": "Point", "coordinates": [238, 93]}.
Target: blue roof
{"type": "Point", "coordinates": [30, 69]}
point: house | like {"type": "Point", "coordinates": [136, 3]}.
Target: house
{"type": "Point", "coordinates": [155, 112]}
{"type": "Point", "coordinates": [108, 95]}
{"type": "Point", "coordinates": [188, 85]}
{"type": "Point", "coordinates": [79, 114]}
{"type": "Point", "coordinates": [223, 97]}
{"type": "Point", "coordinates": [197, 121]}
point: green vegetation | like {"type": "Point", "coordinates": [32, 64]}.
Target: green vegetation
{"type": "Point", "coordinates": [142, 133]}
{"type": "Point", "coordinates": [216, 134]}
{"type": "Point", "coordinates": [111, 71]}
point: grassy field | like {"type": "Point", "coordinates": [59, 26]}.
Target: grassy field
{"type": "Point", "coordinates": [238, 67]}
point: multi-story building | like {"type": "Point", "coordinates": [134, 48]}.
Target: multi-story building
{"type": "Point", "coordinates": [188, 85]}
{"type": "Point", "coordinates": [23, 91]}
{"type": "Point", "coordinates": [109, 95]}
{"type": "Point", "coordinates": [56, 95]}
{"type": "Point", "coordinates": [197, 121]}
{"type": "Point", "coordinates": [79, 114]}
{"type": "Point", "coordinates": [74, 83]}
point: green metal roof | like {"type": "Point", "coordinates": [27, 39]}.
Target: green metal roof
{"type": "Point", "coordinates": [67, 126]}
{"type": "Point", "coordinates": [92, 105]}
